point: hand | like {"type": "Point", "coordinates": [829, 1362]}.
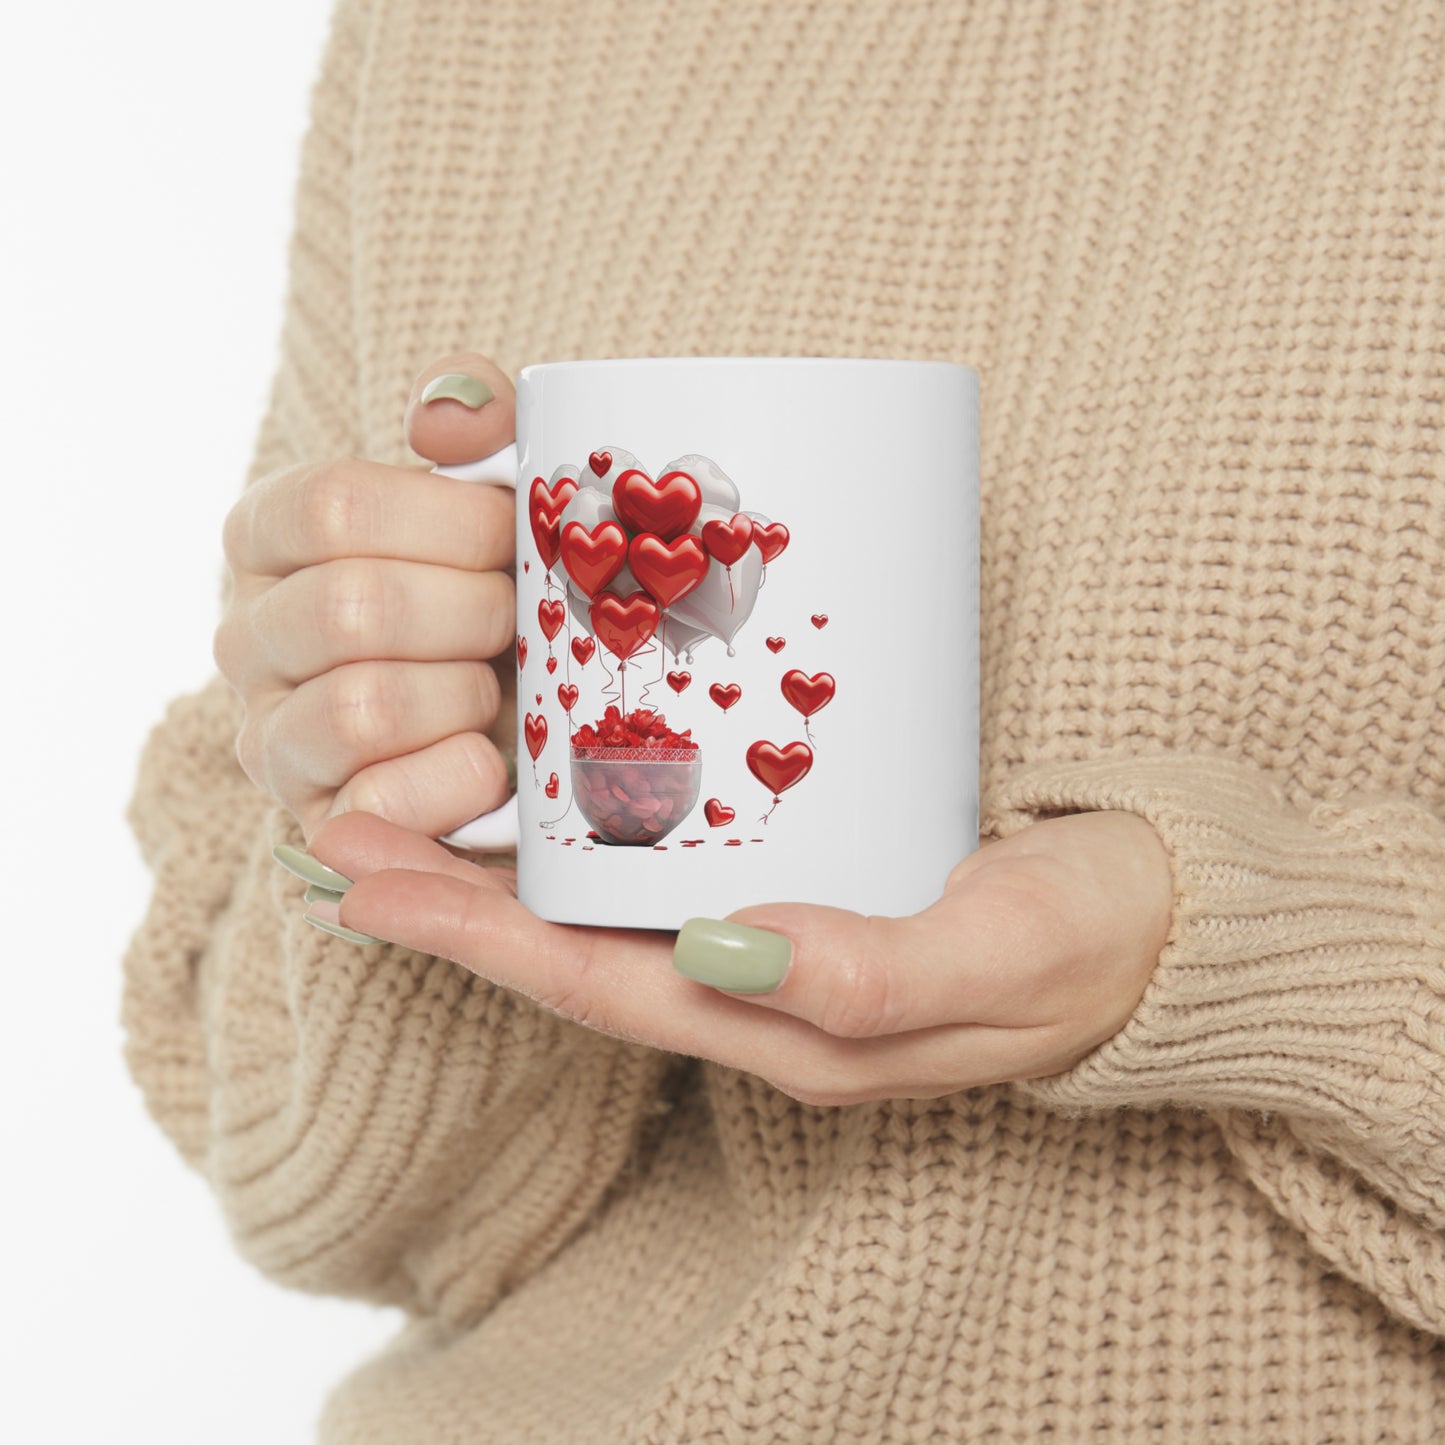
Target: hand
{"type": "Point", "coordinates": [365, 598]}
{"type": "Point", "coordinates": [1038, 951]}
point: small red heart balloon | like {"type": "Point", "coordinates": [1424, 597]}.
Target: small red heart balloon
{"type": "Point", "coordinates": [727, 541]}
{"type": "Point", "coordinates": [551, 789]}
{"type": "Point", "coordinates": [534, 728]}
{"type": "Point", "coordinates": [539, 699]}
{"type": "Point", "coordinates": [777, 769]}
{"type": "Point", "coordinates": [770, 539]}
{"type": "Point", "coordinates": [623, 624]}
{"type": "Point", "coordinates": [551, 664]}
{"type": "Point", "coordinates": [521, 650]}
{"type": "Point", "coordinates": [776, 644]}
{"type": "Point", "coordinates": [668, 570]}
{"type": "Point", "coordinates": [582, 649]}
{"type": "Point", "coordinates": [544, 510]}
{"type": "Point", "coordinates": [527, 565]}
{"type": "Point", "coordinates": [668, 506]}
{"type": "Point", "coordinates": [724, 696]}
{"type": "Point", "coordinates": [808, 694]}
{"type": "Point", "coordinates": [594, 558]}
{"type": "Point", "coordinates": [678, 680]}
{"type": "Point", "coordinates": [820, 619]}
{"type": "Point", "coordinates": [718, 813]}
{"type": "Point", "coordinates": [551, 616]}
{"type": "Point", "coordinates": [566, 695]}
{"type": "Point", "coordinates": [600, 462]}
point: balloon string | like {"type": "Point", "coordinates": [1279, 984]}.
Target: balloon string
{"type": "Point", "coordinates": [731, 604]}
{"type": "Point", "coordinates": [607, 693]}
{"type": "Point", "coordinates": [808, 733]}
{"type": "Point", "coordinates": [648, 686]}
{"type": "Point", "coordinates": [763, 579]}
{"type": "Point", "coordinates": [769, 813]}
{"type": "Point", "coordinates": [542, 823]}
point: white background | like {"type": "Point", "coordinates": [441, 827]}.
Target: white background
{"type": "Point", "coordinates": [147, 158]}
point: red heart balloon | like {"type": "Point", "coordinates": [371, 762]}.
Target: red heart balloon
{"type": "Point", "coordinates": [724, 697]}
{"type": "Point", "coordinates": [534, 727]}
{"type": "Point", "coordinates": [808, 694]}
{"type": "Point", "coordinates": [601, 463]}
{"type": "Point", "coordinates": [538, 696]}
{"type": "Point", "coordinates": [717, 813]}
{"type": "Point", "coordinates": [551, 789]}
{"type": "Point", "coordinates": [727, 541]}
{"type": "Point", "coordinates": [770, 539]}
{"type": "Point", "coordinates": [567, 695]}
{"type": "Point", "coordinates": [521, 650]}
{"type": "Point", "coordinates": [777, 769]}
{"type": "Point", "coordinates": [623, 624]}
{"type": "Point", "coordinates": [551, 616]}
{"type": "Point", "coordinates": [678, 680]}
{"type": "Point", "coordinates": [527, 565]}
{"type": "Point", "coordinates": [582, 649]}
{"type": "Point", "coordinates": [776, 644]}
{"type": "Point", "coordinates": [668, 570]}
{"type": "Point", "coordinates": [820, 620]}
{"type": "Point", "coordinates": [551, 665]}
{"type": "Point", "coordinates": [668, 506]}
{"type": "Point", "coordinates": [594, 558]}
{"type": "Point", "coordinates": [544, 509]}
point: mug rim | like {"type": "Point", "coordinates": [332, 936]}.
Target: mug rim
{"type": "Point", "coordinates": [887, 362]}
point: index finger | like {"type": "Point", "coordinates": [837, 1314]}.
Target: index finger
{"type": "Point", "coordinates": [301, 516]}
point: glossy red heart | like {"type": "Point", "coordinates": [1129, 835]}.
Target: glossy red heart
{"type": "Point", "coordinates": [808, 694]}
{"type": "Point", "coordinates": [717, 813]}
{"type": "Point", "coordinates": [776, 644]}
{"type": "Point", "coordinates": [567, 695]}
{"type": "Point", "coordinates": [727, 541]}
{"type": "Point", "coordinates": [668, 506]}
{"type": "Point", "coordinates": [770, 539]}
{"type": "Point", "coordinates": [521, 650]}
{"type": "Point", "coordinates": [820, 620]}
{"type": "Point", "coordinates": [777, 769]}
{"type": "Point", "coordinates": [539, 699]}
{"type": "Point", "coordinates": [678, 680]}
{"type": "Point", "coordinates": [724, 696]}
{"type": "Point", "coordinates": [551, 615]}
{"type": "Point", "coordinates": [582, 649]}
{"type": "Point", "coordinates": [551, 789]}
{"type": "Point", "coordinates": [601, 463]}
{"type": "Point", "coordinates": [594, 558]}
{"type": "Point", "coordinates": [551, 664]}
{"type": "Point", "coordinates": [527, 565]}
{"type": "Point", "coordinates": [623, 624]}
{"type": "Point", "coordinates": [668, 570]}
{"type": "Point", "coordinates": [544, 509]}
{"type": "Point", "coordinates": [534, 728]}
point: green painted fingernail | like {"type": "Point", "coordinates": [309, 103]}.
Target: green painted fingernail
{"type": "Point", "coordinates": [349, 934]}
{"type": "Point", "coordinates": [322, 895]}
{"type": "Point", "coordinates": [732, 955]}
{"type": "Point", "coordinates": [471, 391]}
{"type": "Point", "coordinates": [305, 867]}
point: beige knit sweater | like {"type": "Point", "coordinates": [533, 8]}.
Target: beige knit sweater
{"type": "Point", "coordinates": [1197, 252]}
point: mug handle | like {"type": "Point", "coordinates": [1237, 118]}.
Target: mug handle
{"type": "Point", "coordinates": [497, 831]}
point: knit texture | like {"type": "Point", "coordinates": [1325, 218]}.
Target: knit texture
{"type": "Point", "coordinates": [1197, 252]}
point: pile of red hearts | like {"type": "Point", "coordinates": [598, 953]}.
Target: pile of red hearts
{"type": "Point", "coordinates": [634, 779]}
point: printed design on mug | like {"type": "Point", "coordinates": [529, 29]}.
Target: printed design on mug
{"type": "Point", "coordinates": [638, 566]}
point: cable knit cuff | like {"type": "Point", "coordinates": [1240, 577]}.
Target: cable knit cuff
{"type": "Point", "coordinates": [1305, 968]}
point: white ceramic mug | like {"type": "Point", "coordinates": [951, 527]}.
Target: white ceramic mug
{"type": "Point", "coordinates": [776, 559]}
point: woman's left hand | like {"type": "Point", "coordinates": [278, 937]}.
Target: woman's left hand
{"type": "Point", "coordinates": [1037, 952]}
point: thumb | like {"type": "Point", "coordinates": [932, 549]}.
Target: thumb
{"type": "Point", "coordinates": [849, 974]}
{"type": "Point", "coordinates": [462, 408]}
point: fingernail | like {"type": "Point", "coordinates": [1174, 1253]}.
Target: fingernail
{"type": "Point", "coordinates": [471, 391]}
{"type": "Point", "coordinates": [349, 934]}
{"type": "Point", "coordinates": [323, 895]}
{"type": "Point", "coordinates": [305, 867]}
{"type": "Point", "coordinates": [509, 756]}
{"type": "Point", "coordinates": [732, 955]}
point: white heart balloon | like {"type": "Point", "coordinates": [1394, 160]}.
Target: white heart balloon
{"type": "Point", "coordinates": [717, 488]}
{"type": "Point", "coordinates": [723, 601]}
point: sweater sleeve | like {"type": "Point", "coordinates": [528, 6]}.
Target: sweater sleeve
{"type": "Point", "coordinates": [1299, 1000]}
{"type": "Point", "coordinates": [375, 1123]}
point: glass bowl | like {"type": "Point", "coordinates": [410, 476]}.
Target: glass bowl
{"type": "Point", "coordinates": [635, 796]}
